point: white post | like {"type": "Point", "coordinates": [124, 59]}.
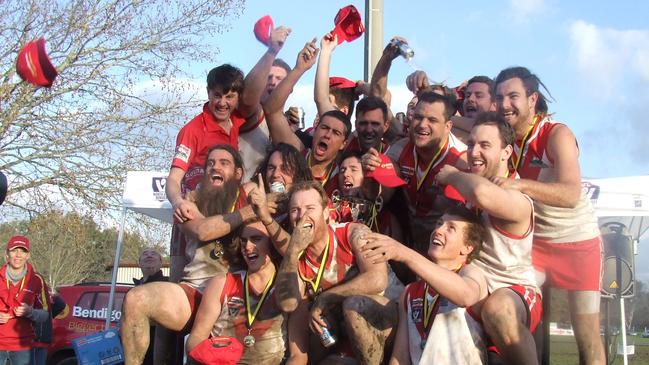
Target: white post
{"type": "Point", "coordinates": [623, 325]}
{"type": "Point", "coordinates": [113, 281]}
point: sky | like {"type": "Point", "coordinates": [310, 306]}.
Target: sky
{"type": "Point", "coordinates": [592, 56]}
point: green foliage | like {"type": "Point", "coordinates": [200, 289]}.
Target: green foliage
{"type": "Point", "coordinates": [70, 248]}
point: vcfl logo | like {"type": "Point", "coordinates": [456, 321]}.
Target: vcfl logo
{"type": "Point", "coordinates": [158, 187]}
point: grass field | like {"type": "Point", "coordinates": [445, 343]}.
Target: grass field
{"type": "Point", "coordinates": [564, 351]}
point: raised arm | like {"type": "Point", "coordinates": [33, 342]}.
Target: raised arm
{"type": "Point", "coordinates": [208, 312]}
{"type": "Point", "coordinates": [255, 81]}
{"type": "Point", "coordinates": [289, 287]}
{"type": "Point", "coordinates": [321, 89]}
{"type": "Point", "coordinates": [278, 126]}
{"type": "Point", "coordinates": [379, 82]}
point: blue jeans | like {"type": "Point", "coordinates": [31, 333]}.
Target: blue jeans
{"type": "Point", "coordinates": [23, 357]}
{"type": "Point", "coordinates": [39, 355]}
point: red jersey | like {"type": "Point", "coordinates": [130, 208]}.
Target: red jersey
{"type": "Point", "coordinates": [196, 138]}
{"type": "Point", "coordinates": [18, 333]}
{"type": "Point", "coordinates": [421, 199]}
{"type": "Point", "coordinates": [267, 327]}
{"type": "Point", "coordinates": [340, 264]}
{"type": "Point", "coordinates": [354, 145]}
{"type": "Point", "coordinates": [535, 155]}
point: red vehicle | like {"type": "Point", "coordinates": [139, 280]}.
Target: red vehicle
{"type": "Point", "coordinates": [85, 313]}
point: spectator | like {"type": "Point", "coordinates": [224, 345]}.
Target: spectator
{"type": "Point", "coordinates": [22, 300]}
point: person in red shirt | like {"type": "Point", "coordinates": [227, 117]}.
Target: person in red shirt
{"type": "Point", "coordinates": [233, 104]}
{"type": "Point", "coordinates": [21, 303]}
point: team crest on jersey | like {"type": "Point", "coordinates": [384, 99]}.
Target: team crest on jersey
{"type": "Point", "coordinates": [416, 308]}
{"type": "Point", "coordinates": [235, 305]}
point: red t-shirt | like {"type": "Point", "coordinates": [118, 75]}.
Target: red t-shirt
{"type": "Point", "coordinates": [18, 333]}
{"type": "Point", "coordinates": [196, 138]}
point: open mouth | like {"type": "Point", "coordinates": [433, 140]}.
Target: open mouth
{"type": "Point", "coordinates": [348, 185]}
{"type": "Point", "coordinates": [217, 178]}
{"type": "Point", "coordinates": [437, 242]}
{"type": "Point", "coordinates": [321, 148]}
{"type": "Point", "coordinates": [252, 257]}
{"type": "Point", "coordinates": [508, 114]}
{"type": "Point", "coordinates": [307, 225]}
{"type": "Point", "coordinates": [470, 109]}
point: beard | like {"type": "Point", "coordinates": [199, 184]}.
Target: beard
{"type": "Point", "coordinates": [216, 200]}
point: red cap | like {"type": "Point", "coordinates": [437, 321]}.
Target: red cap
{"type": "Point", "coordinates": [34, 66]}
{"type": "Point", "coordinates": [348, 24]}
{"type": "Point", "coordinates": [262, 29]}
{"type": "Point", "coordinates": [18, 241]}
{"type": "Point", "coordinates": [385, 174]}
{"type": "Point", "coordinates": [218, 351]}
{"type": "Point", "coordinates": [451, 193]}
{"type": "Point", "coordinates": [341, 83]}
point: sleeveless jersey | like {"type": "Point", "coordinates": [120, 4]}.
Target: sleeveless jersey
{"type": "Point", "coordinates": [554, 224]}
{"type": "Point", "coordinates": [506, 259]}
{"type": "Point", "coordinates": [340, 264]}
{"type": "Point", "coordinates": [203, 258]}
{"type": "Point", "coordinates": [253, 146]}
{"type": "Point", "coordinates": [451, 330]}
{"type": "Point", "coordinates": [268, 327]}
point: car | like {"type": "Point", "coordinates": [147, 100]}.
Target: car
{"type": "Point", "coordinates": [645, 334]}
{"type": "Point", "coordinates": [84, 313]}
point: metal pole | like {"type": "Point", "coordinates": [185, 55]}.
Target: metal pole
{"type": "Point", "coordinates": [373, 35]}
{"type": "Point", "coordinates": [113, 281]}
{"type": "Point", "coordinates": [623, 325]}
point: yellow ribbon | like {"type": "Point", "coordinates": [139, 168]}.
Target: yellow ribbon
{"type": "Point", "coordinates": [253, 314]}
{"type": "Point", "coordinates": [316, 285]}
{"type": "Point", "coordinates": [430, 165]}
{"type": "Point", "coordinates": [521, 148]}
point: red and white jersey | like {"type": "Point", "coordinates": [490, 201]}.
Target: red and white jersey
{"type": "Point", "coordinates": [340, 264]}
{"type": "Point", "coordinates": [453, 335]}
{"type": "Point", "coordinates": [553, 224]}
{"type": "Point", "coordinates": [267, 328]}
{"type": "Point", "coordinates": [204, 259]}
{"type": "Point", "coordinates": [506, 259]}
{"type": "Point", "coordinates": [196, 138]}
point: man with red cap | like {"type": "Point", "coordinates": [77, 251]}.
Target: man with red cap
{"type": "Point", "coordinates": [21, 301]}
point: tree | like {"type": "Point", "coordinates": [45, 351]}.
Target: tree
{"type": "Point", "coordinates": [69, 248]}
{"type": "Point", "coordinates": [75, 141]}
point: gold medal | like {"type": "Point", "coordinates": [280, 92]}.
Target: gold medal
{"type": "Point", "coordinates": [249, 341]}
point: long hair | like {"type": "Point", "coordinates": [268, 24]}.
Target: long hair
{"type": "Point", "coordinates": [292, 161]}
{"type": "Point", "coordinates": [531, 83]}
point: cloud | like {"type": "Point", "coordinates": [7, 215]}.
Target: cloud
{"type": "Point", "coordinates": [608, 57]}
{"type": "Point", "coordinates": [522, 10]}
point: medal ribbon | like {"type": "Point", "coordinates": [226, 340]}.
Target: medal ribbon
{"type": "Point", "coordinates": [252, 314]}
{"type": "Point", "coordinates": [321, 269]}
{"type": "Point", "coordinates": [327, 175]}
{"type": "Point", "coordinates": [524, 142]}
{"type": "Point", "coordinates": [430, 164]}
{"type": "Point", "coordinates": [234, 204]}
{"type": "Point", "coordinates": [430, 308]}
